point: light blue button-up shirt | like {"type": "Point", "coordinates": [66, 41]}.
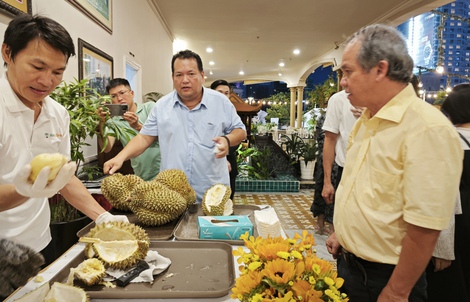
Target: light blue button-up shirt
{"type": "Point", "coordinates": [185, 136]}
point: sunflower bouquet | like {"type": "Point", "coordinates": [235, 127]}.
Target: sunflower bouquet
{"type": "Point", "coordinates": [278, 269]}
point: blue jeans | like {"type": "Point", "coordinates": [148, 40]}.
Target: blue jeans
{"type": "Point", "coordinates": [364, 280]}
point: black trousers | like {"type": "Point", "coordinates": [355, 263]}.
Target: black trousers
{"type": "Point", "coordinates": [364, 280]}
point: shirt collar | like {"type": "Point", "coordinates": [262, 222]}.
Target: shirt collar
{"type": "Point", "coordinates": [396, 108]}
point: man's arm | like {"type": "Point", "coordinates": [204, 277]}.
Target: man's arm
{"type": "Point", "coordinates": [135, 147]}
{"type": "Point", "coordinates": [78, 196]}
{"type": "Point", "coordinates": [236, 136]}
{"type": "Point", "coordinates": [418, 245]}
{"type": "Point", "coordinates": [329, 145]}
{"type": "Point", "coordinates": [9, 198]}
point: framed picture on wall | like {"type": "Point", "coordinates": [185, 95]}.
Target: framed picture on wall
{"type": "Point", "coordinates": [99, 11]}
{"type": "Point", "coordinates": [94, 65]}
{"type": "Point", "coordinates": [15, 7]}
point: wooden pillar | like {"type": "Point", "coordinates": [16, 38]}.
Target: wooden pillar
{"type": "Point", "coordinates": [292, 106]}
{"type": "Point", "coordinates": [300, 97]}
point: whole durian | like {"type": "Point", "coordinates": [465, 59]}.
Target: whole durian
{"type": "Point", "coordinates": [91, 272]}
{"type": "Point", "coordinates": [177, 181]}
{"type": "Point", "coordinates": [155, 204]}
{"type": "Point", "coordinates": [117, 189]}
{"type": "Point", "coordinates": [119, 231]}
{"type": "Point", "coordinates": [217, 202]}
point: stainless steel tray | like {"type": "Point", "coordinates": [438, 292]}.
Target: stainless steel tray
{"type": "Point", "coordinates": [197, 270]}
{"type": "Point", "coordinates": [162, 232]}
{"type": "Point", "coordinates": [187, 228]}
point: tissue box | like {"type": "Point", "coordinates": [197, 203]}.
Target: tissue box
{"type": "Point", "coordinates": [224, 227]}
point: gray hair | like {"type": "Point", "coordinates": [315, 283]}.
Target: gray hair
{"type": "Point", "coordinates": [383, 42]}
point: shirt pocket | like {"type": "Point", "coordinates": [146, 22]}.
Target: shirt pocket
{"type": "Point", "coordinates": [382, 193]}
{"type": "Point", "coordinates": [206, 132]}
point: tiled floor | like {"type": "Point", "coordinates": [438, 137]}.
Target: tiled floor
{"type": "Point", "coordinates": [293, 210]}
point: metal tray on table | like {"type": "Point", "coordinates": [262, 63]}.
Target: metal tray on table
{"type": "Point", "coordinates": [162, 232]}
{"type": "Point", "coordinates": [197, 270]}
{"type": "Point", "coordinates": [187, 228]}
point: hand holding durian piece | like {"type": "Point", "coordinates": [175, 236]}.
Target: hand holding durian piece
{"type": "Point", "coordinates": [44, 176]}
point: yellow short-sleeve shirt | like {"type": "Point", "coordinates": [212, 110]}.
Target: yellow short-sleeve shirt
{"type": "Point", "coordinates": [403, 166]}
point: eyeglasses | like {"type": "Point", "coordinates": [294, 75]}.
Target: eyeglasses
{"type": "Point", "coordinates": [119, 94]}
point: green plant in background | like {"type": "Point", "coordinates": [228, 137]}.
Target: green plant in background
{"type": "Point", "coordinates": [82, 103]}
{"type": "Point", "coordinates": [262, 164]}
{"type": "Point", "coordinates": [293, 145]}
{"type": "Point", "coordinates": [309, 151]}
{"type": "Point", "coordinates": [281, 109]}
{"type": "Point", "coordinates": [319, 96]}
{"type": "Point", "coordinates": [440, 97]}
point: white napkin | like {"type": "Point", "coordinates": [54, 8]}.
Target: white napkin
{"type": "Point", "coordinates": [157, 264]}
{"type": "Point", "coordinates": [267, 223]}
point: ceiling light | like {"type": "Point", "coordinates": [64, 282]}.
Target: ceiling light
{"type": "Point", "coordinates": [241, 72]}
{"type": "Point", "coordinates": [282, 64]}
{"type": "Point", "coordinates": [210, 72]}
{"type": "Point", "coordinates": [211, 63]}
{"type": "Point", "coordinates": [209, 49]}
{"type": "Point", "coordinates": [296, 51]}
{"type": "Point", "coordinates": [279, 74]}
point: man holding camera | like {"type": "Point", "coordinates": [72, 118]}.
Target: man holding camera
{"type": "Point", "coordinates": [130, 121]}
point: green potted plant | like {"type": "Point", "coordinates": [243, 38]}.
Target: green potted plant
{"type": "Point", "coordinates": [308, 155]}
{"type": "Point", "coordinates": [81, 102]}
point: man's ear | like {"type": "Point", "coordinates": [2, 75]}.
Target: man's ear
{"type": "Point", "coordinates": [382, 69]}
{"type": "Point", "coordinates": [6, 53]}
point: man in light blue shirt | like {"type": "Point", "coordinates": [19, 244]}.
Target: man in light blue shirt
{"type": "Point", "coordinates": [195, 127]}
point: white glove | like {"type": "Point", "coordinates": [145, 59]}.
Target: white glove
{"type": "Point", "coordinates": [40, 188]}
{"type": "Point", "coordinates": [107, 217]}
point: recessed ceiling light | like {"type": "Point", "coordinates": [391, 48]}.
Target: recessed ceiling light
{"type": "Point", "coordinates": [296, 51]}
{"type": "Point", "coordinates": [280, 74]}
{"type": "Point", "coordinates": [282, 64]}
{"type": "Point", "coordinates": [209, 49]}
{"type": "Point", "coordinates": [241, 72]}
{"type": "Point", "coordinates": [211, 63]}
{"type": "Point", "coordinates": [210, 72]}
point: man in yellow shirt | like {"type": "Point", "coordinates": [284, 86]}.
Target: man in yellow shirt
{"type": "Point", "coordinates": [401, 176]}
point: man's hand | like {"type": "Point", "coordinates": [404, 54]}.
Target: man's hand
{"type": "Point", "coordinates": [328, 193]}
{"type": "Point", "coordinates": [221, 147]}
{"type": "Point", "coordinates": [440, 264]}
{"type": "Point", "coordinates": [107, 217]}
{"type": "Point", "coordinates": [40, 188]}
{"type": "Point", "coordinates": [333, 246]}
{"type": "Point", "coordinates": [357, 111]}
{"type": "Point", "coordinates": [112, 166]}
{"type": "Point", "coordinates": [133, 120]}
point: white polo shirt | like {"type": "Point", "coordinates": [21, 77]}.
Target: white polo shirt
{"type": "Point", "coordinates": [20, 140]}
{"type": "Point", "coordinates": [339, 120]}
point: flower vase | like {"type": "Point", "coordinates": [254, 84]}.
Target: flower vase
{"type": "Point", "coordinates": [306, 170]}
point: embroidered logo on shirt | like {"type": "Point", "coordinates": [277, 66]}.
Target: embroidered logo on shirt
{"type": "Point", "coordinates": [49, 135]}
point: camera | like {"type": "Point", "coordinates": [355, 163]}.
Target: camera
{"type": "Point", "coordinates": [117, 109]}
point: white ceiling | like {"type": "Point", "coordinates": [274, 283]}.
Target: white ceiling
{"type": "Point", "coordinates": [255, 35]}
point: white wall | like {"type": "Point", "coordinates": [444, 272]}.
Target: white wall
{"type": "Point", "coordinates": [136, 30]}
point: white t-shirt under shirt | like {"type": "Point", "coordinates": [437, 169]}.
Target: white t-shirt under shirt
{"type": "Point", "coordinates": [340, 120]}
{"type": "Point", "coordinates": [20, 140]}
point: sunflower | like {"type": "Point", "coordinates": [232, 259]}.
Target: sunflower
{"type": "Point", "coordinates": [285, 270]}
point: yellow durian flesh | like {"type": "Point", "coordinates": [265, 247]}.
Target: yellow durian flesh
{"type": "Point", "coordinates": [215, 199]}
{"type": "Point", "coordinates": [121, 254]}
{"type": "Point", "coordinates": [119, 231]}
{"type": "Point", "coordinates": [54, 161]}
{"type": "Point", "coordinates": [61, 292]}
{"type": "Point", "coordinates": [90, 272]}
